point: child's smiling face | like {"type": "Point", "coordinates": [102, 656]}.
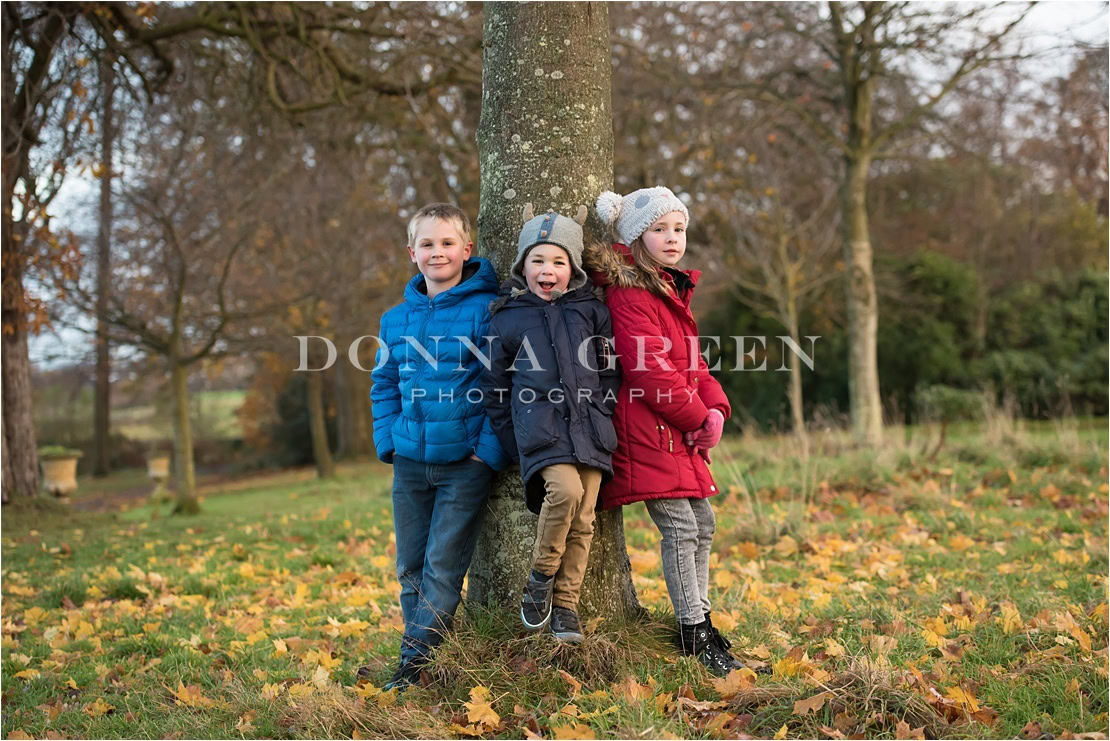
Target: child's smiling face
{"type": "Point", "coordinates": [547, 269]}
{"type": "Point", "coordinates": [439, 251]}
{"type": "Point", "coordinates": [665, 239]}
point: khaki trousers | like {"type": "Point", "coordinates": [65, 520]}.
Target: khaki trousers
{"type": "Point", "coordinates": [566, 528]}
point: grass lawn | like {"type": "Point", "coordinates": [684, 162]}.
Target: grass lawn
{"type": "Point", "coordinates": [890, 594]}
{"type": "Point", "coordinates": [213, 415]}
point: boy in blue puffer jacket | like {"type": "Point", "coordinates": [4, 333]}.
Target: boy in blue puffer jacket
{"type": "Point", "coordinates": [429, 422]}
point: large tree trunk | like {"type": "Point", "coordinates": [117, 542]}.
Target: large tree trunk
{"type": "Point", "coordinates": [184, 471]}
{"type": "Point", "coordinates": [318, 427]}
{"type": "Point", "coordinates": [545, 136]}
{"type": "Point", "coordinates": [21, 465]}
{"type": "Point", "coordinates": [102, 404]}
{"type": "Point", "coordinates": [863, 310]}
{"type": "Point", "coordinates": [21, 130]}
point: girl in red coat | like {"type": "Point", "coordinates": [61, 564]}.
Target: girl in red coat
{"type": "Point", "coordinates": [670, 411]}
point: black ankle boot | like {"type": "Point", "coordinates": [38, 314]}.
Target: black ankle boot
{"type": "Point", "coordinates": [696, 640]}
{"type": "Point", "coordinates": [723, 644]}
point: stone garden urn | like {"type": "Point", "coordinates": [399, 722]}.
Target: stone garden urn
{"type": "Point", "coordinates": [59, 470]}
{"type": "Point", "coordinates": [158, 468]}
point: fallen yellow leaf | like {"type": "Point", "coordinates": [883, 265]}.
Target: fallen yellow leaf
{"type": "Point", "coordinates": [960, 542]}
{"type": "Point", "coordinates": [299, 690]}
{"type": "Point", "coordinates": [479, 710]}
{"type": "Point", "coordinates": [575, 730]}
{"type": "Point", "coordinates": [575, 685]}
{"type": "Point", "coordinates": [810, 705]}
{"type": "Point", "coordinates": [716, 726]}
{"type": "Point", "coordinates": [786, 547]}
{"type": "Point", "coordinates": [191, 696]}
{"type": "Point", "coordinates": [97, 708]}
{"type": "Point", "coordinates": [964, 698]}
{"type": "Point", "coordinates": [633, 690]}
{"type": "Point", "coordinates": [737, 680]}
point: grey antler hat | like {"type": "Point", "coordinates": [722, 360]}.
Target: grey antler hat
{"type": "Point", "coordinates": [556, 229]}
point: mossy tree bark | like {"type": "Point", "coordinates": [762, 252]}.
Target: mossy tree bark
{"type": "Point", "coordinates": [545, 137]}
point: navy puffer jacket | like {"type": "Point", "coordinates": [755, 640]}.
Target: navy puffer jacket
{"type": "Point", "coordinates": [555, 409]}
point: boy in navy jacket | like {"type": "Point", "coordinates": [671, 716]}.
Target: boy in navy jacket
{"type": "Point", "coordinates": [550, 391]}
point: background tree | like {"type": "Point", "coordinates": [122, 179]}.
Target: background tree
{"type": "Point", "coordinates": [182, 278]}
{"type": "Point", "coordinates": [775, 229]}
{"type": "Point", "coordinates": [46, 104]}
{"type": "Point", "coordinates": [297, 54]}
{"type": "Point", "coordinates": [855, 80]}
{"type": "Point", "coordinates": [102, 404]}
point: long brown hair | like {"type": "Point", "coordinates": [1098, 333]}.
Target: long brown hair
{"type": "Point", "coordinates": [643, 272]}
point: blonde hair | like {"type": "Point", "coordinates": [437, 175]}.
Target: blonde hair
{"type": "Point", "coordinates": [443, 212]}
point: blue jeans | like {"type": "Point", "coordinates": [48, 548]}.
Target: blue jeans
{"type": "Point", "coordinates": [438, 511]}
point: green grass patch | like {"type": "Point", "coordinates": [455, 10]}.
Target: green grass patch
{"type": "Point", "coordinates": [963, 594]}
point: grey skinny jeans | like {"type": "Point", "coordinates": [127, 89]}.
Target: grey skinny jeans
{"type": "Point", "coordinates": [687, 526]}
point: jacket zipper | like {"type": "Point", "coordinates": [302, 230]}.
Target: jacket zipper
{"type": "Point", "coordinates": [420, 338]}
{"type": "Point", "coordinates": [670, 438]}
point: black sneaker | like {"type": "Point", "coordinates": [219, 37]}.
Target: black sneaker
{"type": "Point", "coordinates": [535, 608]}
{"type": "Point", "coordinates": [407, 675]}
{"type": "Point", "coordinates": [564, 625]}
{"type": "Point", "coordinates": [696, 640]}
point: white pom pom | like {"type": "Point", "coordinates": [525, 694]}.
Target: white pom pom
{"type": "Point", "coordinates": [609, 206]}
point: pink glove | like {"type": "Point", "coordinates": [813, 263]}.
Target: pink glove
{"type": "Point", "coordinates": [708, 435]}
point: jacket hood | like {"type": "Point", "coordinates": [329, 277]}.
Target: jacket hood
{"type": "Point", "coordinates": [514, 293]}
{"type": "Point", "coordinates": [478, 276]}
{"type": "Point", "coordinates": [613, 265]}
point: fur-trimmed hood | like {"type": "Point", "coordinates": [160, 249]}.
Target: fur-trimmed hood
{"type": "Point", "coordinates": [613, 265]}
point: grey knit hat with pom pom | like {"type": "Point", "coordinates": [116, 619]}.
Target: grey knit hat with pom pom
{"type": "Point", "coordinates": [631, 215]}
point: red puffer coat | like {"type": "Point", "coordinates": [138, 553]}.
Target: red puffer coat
{"type": "Point", "coordinates": [658, 401]}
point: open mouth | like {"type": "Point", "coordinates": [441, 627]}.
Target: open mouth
{"type": "Point", "coordinates": [545, 285]}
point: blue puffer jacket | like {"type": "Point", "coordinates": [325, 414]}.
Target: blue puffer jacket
{"type": "Point", "coordinates": [421, 410]}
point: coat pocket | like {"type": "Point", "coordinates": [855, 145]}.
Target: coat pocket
{"type": "Point", "coordinates": [536, 428]}
{"type": "Point", "coordinates": [601, 426]}
{"type": "Point", "coordinates": [664, 433]}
